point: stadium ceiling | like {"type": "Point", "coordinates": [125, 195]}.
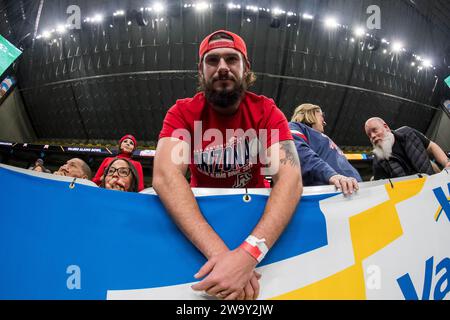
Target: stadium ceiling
{"type": "Point", "coordinates": [129, 61]}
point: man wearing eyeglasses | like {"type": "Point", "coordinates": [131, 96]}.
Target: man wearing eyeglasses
{"type": "Point", "coordinates": [205, 131]}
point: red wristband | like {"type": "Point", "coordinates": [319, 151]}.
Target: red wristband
{"type": "Point", "coordinates": [253, 251]}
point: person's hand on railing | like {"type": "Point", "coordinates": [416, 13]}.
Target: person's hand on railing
{"type": "Point", "coordinates": [347, 185]}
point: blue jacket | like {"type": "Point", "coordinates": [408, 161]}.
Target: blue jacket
{"type": "Point", "coordinates": [320, 157]}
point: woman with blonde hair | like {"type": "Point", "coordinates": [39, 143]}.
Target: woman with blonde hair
{"type": "Point", "coordinates": [321, 160]}
{"type": "Point", "coordinates": [311, 115]}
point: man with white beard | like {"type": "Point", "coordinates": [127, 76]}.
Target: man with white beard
{"type": "Point", "coordinates": [401, 152]}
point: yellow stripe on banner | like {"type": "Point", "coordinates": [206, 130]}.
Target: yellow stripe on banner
{"type": "Point", "coordinates": [340, 286]}
{"type": "Point", "coordinates": [374, 229]}
{"type": "Point", "coordinates": [405, 189]}
{"type": "Point", "coordinates": [371, 231]}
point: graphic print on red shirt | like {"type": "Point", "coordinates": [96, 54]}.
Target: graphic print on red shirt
{"type": "Point", "coordinates": [226, 150]}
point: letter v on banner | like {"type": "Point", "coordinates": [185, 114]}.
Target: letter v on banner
{"type": "Point", "coordinates": [443, 201]}
{"type": "Point", "coordinates": [407, 286]}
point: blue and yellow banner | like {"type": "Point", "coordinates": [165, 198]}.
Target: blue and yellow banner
{"type": "Point", "coordinates": [65, 239]}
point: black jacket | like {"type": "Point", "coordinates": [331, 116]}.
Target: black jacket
{"type": "Point", "coordinates": [414, 150]}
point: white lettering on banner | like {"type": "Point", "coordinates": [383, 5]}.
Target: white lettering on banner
{"type": "Point", "coordinates": [74, 280]}
{"type": "Point", "coordinates": [77, 149]}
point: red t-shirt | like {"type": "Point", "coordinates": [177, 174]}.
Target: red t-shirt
{"type": "Point", "coordinates": [224, 157]}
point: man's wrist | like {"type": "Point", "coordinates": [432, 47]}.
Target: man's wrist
{"type": "Point", "coordinates": [255, 247]}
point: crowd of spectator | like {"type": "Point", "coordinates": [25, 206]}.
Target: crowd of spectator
{"type": "Point", "coordinates": [397, 153]}
{"type": "Point", "coordinates": [115, 173]}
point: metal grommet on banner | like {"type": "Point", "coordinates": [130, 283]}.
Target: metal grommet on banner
{"type": "Point", "coordinates": [392, 185]}
{"type": "Point", "coordinates": [72, 184]}
{"type": "Point", "coordinates": [246, 196]}
{"type": "Point", "coordinates": [420, 175]}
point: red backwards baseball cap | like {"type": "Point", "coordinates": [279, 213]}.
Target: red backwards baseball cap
{"type": "Point", "coordinates": [237, 43]}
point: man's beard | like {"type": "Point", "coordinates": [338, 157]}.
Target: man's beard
{"type": "Point", "coordinates": [224, 98]}
{"type": "Point", "coordinates": [384, 149]}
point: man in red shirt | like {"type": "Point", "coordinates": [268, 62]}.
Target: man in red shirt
{"type": "Point", "coordinates": [229, 138]}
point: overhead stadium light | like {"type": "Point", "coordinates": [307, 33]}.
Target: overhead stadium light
{"type": "Point", "coordinates": [427, 63]}
{"type": "Point", "coordinates": [98, 18]}
{"type": "Point", "coordinates": [61, 29]}
{"type": "Point", "coordinates": [359, 31]}
{"type": "Point", "coordinates": [201, 6]}
{"type": "Point", "coordinates": [119, 13]}
{"type": "Point", "coordinates": [158, 7]}
{"type": "Point", "coordinates": [372, 42]}
{"type": "Point", "coordinates": [331, 23]}
{"type": "Point", "coordinates": [278, 11]}
{"type": "Point", "coordinates": [397, 46]}
{"type": "Point", "coordinates": [231, 5]}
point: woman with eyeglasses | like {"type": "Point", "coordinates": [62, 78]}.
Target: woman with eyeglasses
{"type": "Point", "coordinates": [321, 160]}
{"type": "Point", "coordinates": [120, 175]}
{"type": "Point", "coordinates": [127, 144]}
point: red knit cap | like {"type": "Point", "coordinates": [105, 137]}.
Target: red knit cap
{"type": "Point", "coordinates": [128, 136]}
{"type": "Point", "coordinates": [237, 43]}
